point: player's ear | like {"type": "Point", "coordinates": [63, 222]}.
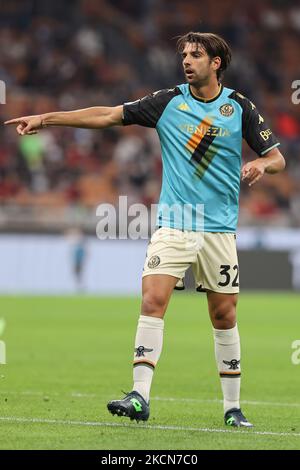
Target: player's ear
{"type": "Point", "coordinates": [216, 63]}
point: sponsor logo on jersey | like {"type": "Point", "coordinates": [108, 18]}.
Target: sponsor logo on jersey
{"type": "Point", "coordinates": [266, 134]}
{"type": "Point", "coordinates": [183, 107]}
{"type": "Point", "coordinates": [205, 129]}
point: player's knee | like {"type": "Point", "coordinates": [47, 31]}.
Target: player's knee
{"type": "Point", "coordinates": [224, 322]}
{"type": "Point", "coordinates": [224, 314]}
{"type": "Point", "coordinates": [153, 304]}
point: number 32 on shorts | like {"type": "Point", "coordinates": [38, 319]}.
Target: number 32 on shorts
{"type": "Point", "coordinates": [227, 279]}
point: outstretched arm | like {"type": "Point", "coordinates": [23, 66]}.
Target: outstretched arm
{"type": "Point", "coordinates": [99, 117]}
{"type": "Point", "coordinates": [272, 162]}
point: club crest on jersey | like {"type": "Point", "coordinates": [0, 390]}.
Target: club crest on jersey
{"type": "Point", "coordinates": [226, 110]}
{"type": "Point", "coordinates": [153, 262]}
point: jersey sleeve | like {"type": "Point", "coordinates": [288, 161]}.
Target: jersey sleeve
{"type": "Point", "coordinates": [148, 110]}
{"type": "Point", "coordinates": [254, 128]}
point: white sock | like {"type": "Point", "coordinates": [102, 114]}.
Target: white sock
{"type": "Point", "coordinates": [228, 356]}
{"type": "Point", "coordinates": [148, 346]}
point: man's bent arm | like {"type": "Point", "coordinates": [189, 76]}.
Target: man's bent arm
{"type": "Point", "coordinates": [273, 161]}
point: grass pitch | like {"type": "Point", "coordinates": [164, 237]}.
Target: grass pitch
{"type": "Point", "coordinates": [68, 356]}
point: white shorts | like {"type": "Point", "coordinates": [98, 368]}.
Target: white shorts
{"type": "Point", "coordinates": [213, 258]}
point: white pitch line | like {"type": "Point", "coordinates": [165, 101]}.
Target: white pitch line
{"type": "Point", "coordinates": [216, 400]}
{"type": "Point", "coordinates": [15, 419]}
{"type": "Point", "coordinates": [168, 399]}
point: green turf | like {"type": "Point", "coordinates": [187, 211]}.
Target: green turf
{"type": "Point", "coordinates": [67, 356]}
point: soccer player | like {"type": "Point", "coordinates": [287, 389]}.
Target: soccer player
{"type": "Point", "coordinates": [200, 124]}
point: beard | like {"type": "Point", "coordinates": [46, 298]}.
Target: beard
{"type": "Point", "coordinates": [197, 80]}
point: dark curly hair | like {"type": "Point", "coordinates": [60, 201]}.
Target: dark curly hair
{"type": "Point", "coordinates": [213, 44]}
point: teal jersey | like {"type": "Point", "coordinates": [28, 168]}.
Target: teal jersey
{"type": "Point", "coordinates": [201, 142]}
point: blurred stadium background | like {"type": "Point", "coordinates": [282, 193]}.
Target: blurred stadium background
{"type": "Point", "coordinates": [62, 363]}
{"type": "Point", "coordinates": [73, 54]}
